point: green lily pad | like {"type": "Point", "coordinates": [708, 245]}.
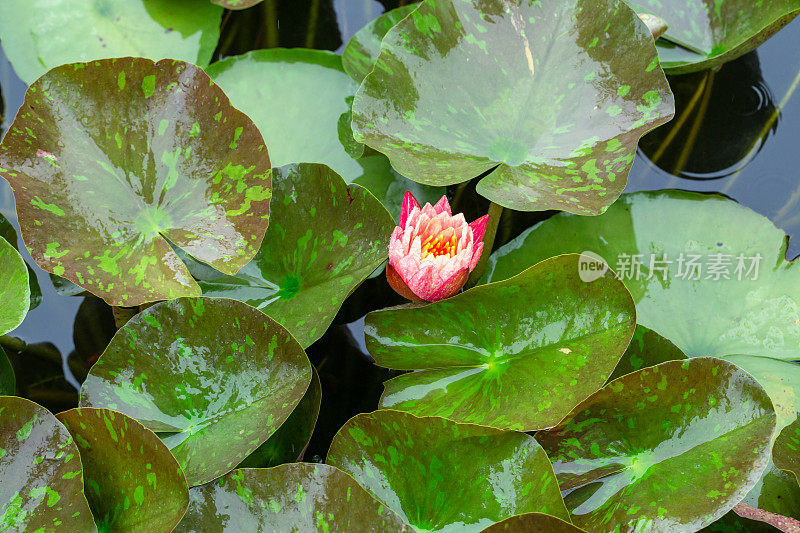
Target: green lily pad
{"type": "Point", "coordinates": [532, 523]}
{"type": "Point", "coordinates": [680, 234]}
{"type": "Point", "coordinates": [42, 488]}
{"type": "Point", "coordinates": [647, 348]}
{"type": "Point", "coordinates": [439, 475]}
{"type": "Point", "coordinates": [362, 50]}
{"type": "Point", "coordinates": [15, 291]}
{"type": "Point", "coordinates": [523, 366]}
{"type": "Point", "coordinates": [38, 35]}
{"type": "Point", "coordinates": [295, 97]}
{"type": "Point", "coordinates": [669, 447]}
{"type": "Point", "coordinates": [733, 523]}
{"type": "Point", "coordinates": [776, 492]}
{"type": "Point", "coordinates": [8, 382]}
{"type": "Point", "coordinates": [193, 172]}
{"type": "Point", "coordinates": [540, 95]}
{"type": "Point", "coordinates": [786, 450]}
{"type": "Point", "coordinates": [704, 34]}
{"type": "Point", "coordinates": [325, 238]}
{"type": "Point", "coordinates": [8, 233]}
{"type": "Point", "coordinates": [288, 443]}
{"type": "Point", "coordinates": [214, 378]}
{"type": "Point", "coordinates": [292, 497]}
{"type": "Point", "coordinates": [133, 483]}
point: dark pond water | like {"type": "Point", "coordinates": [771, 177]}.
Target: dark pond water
{"type": "Point", "coordinates": [736, 131]}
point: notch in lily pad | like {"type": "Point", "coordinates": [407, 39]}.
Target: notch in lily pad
{"type": "Point", "coordinates": [407, 462]}
{"type": "Point", "coordinates": [537, 96]}
{"type": "Point", "coordinates": [213, 377]}
{"type": "Point", "coordinates": [623, 456]}
{"type": "Point", "coordinates": [479, 360]}
{"type": "Point", "coordinates": [113, 162]}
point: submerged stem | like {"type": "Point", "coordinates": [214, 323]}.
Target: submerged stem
{"type": "Point", "coordinates": [495, 211]}
{"type": "Point", "coordinates": [39, 350]}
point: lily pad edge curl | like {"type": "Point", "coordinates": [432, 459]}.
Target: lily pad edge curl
{"type": "Point", "coordinates": [200, 180]}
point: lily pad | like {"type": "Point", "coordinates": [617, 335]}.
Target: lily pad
{"type": "Point", "coordinates": [777, 492]}
{"type": "Point", "coordinates": [647, 348]}
{"type": "Point", "coordinates": [38, 35]}
{"type": "Point", "coordinates": [288, 443]}
{"type": "Point", "coordinates": [8, 382]}
{"type": "Point", "coordinates": [214, 378]}
{"type": "Point", "coordinates": [133, 483]}
{"type": "Point", "coordinates": [669, 447]}
{"type": "Point", "coordinates": [295, 97]}
{"type": "Point", "coordinates": [747, 297]}
{"type": "Point", "coordinates": [193, 172]}
{"type": "Point", "coordinates": [362, 50]}
{"type": "Point", "coordinates": [8, 233]}
{"type": "Point", "coordinates": [439, 475]}
{"type": "Point", "coordinates": [532, 523]}
{"type": "Point", "coordinates": [786, 450]}
{"type": "Point", "coordinates": [703, 34]}
{"type": "Point", "coordinates": [15, 291]}
{"type": "Point", "coordinates": [523, 366]}
{"type": "Point", "coordinates": [325, 238]}
{"type": "Point", "coordinates": [292, 497]}
{"type": "Point", "coordinates": [42, 486]}
{"type": "Point", "coordinates": [550, 98]}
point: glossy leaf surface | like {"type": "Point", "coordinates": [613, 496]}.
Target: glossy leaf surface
{"type": "Point", "coordinates": [668, 448]}
{"type": "Point", "coordinates": [532, 523]}
{"type": "Point", "coordinates": [236, 4]}
{"type": "Point", "coordinates": [292, 497]}
{"type": "Point", "coordinates": [518, 354]}
{"type": "Point", "coordinates": [288, 443]}
{"type": "Point", "coordinates": [681, 233]}
{"type": "Point", "coordinates": [362, 50]}
{"type": "Point", "coordinates": [8, 233]}
{"type": "Point", "coordinates": [113, 160]}
{"type": "Point", "coordinates": [553, 96]}
{"type": "Point", "coordinates": [41, 34]}
{"type": "Point", "coordinates": [778, 493]}
{"type": "Point", "coordinates": [295, 97]}
{"type": "Point", "coordinates": [647, 348]}
{"type": "Point", "coordinates": [325, 238]}
{"type": "Point", "coordinates": [214, 377]}
{"type": "Point", "coordinates": [702, 34]}
{"type": "Point", "coordinates": [442, 476]}
{"type": "Point", "coordinates": [15, 291]}
{"type": "Point", "coordinates": [133, 483]}
{"type": "Point", "coordinates": [42, 478]}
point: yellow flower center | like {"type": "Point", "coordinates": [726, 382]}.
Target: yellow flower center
{"type": "Point", "coordinates": [435, 246]}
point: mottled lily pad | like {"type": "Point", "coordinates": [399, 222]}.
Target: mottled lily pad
{"type": "Point", "coordinates": [295, 97]}
{"type": "Point", "coordinates": [702, 34]}
{"type": "Point", "coordinates": [668, 238]}
{"type": "Point", "coordinates": [42, 487]}
{"type": "Point", "coordinates": [669, 447]}
{"type": "Point", "coordinates": [38, 35]}
{"type": "Point", "coordinates": [15, 291]}
{"type": "Point", "coordinates": [522, 366]}
{"type": "Point", "coordinates": [532, 523]}
{"type": "Point", "coordinates": [288, 443]}
{"type": "Point", "coordinates": [551, 97]}
{"type": "Point", "coordinates": [647, 348]}
{"type": "Point", "coordinates": [133, 483]}
{"type": "Point", "coordinates": [362, 50]}
{"type": "Point", "coordinates": [213, 377]}
{"type": "Point", "coordinates": [786, 450]}
{"type": "Point", "coordinates": [325, 238]}
{"type": "Point", "coordinates": [113, 161]}
{"type": "Point", "coordinates": [291, 497]}
{"type": "Point", "coordinates": [439, 475]}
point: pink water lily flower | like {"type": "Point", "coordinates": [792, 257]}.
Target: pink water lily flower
{"type": "Point", "coordinates": [432, 251]}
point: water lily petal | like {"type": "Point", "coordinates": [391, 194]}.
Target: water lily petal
{"type": "Point", "coordinates": [409, 203]}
